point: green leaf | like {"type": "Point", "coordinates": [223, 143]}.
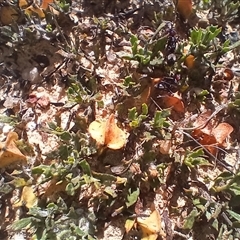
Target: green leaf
{"type": "Point", "coordinates": [22, 223]}
{"type": "Point", "coordinates": [132, 197]}
{"type": "Point", "coordinates": [132, 113]}
{"type": "Point", "coordinates": [195, 36]}
{"type": "Point", "coordinates": [65, 136]}
{"type": "Point", "coordinates": [236, 216]}
{"type": "Point", "coordinates": [134, 43]}
{"type": "Point", "coordinates": [40, 169]}
{"type": "Point", "coordinates": [85, 167]}
{"type": "Point", "coordinates": [144, 109]}
{"type": "Point", "coordinates": [231, 47]}
{"type": "Point", "coordinates": [235, 188]}
{"type": "Point", "coordinates": [190, 220]}
{"type": "Point", "coordinates": [159, 45]}
{"type": "Point", "coordinates": [159, 120]}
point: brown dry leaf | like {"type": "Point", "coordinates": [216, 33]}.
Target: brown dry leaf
{"type": "Point", "coordinates": [228, 74]}
{"type": "Point", "coordinates": [54, 187]}
{"type": "Point", "coordinates": [9, 152]}
{"type": "Point", "coordinates": [28, 198]}
{"type": "Point", "coordinates": [200, 124]}
{"type": "Point", "coordinates": [221, 132]}
{"type": "Point", "coordinates": [151, 226]}
{"type": "Point", "coordinates": [165, 146]}
{"type": "Point", "coordinates": [8, 15]}
{"type": "Point", "coordinates": [44, 101]}
{"type": "Point", "coordinates": [174, 102]}
{"type": "Point", "coordinates": [35, 9]}
{"type": "Point", "coordinates": [209, 142]}
{"type": "Point", "coordinates": [108, 133]}
{"type": "Point", "coordinates": [184, 7]}
{"type": "Point", "coordinates": [212, 137]}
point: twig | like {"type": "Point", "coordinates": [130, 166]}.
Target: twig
{"type": "Point", "coordinates": [217, 110]}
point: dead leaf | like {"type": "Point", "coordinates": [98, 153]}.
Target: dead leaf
{"type": "Point", "coordinates": [54, 187]}
{"type": "Point", "coordinates": [151, 226]}
{"type": "Point", "coordinates": [174, 102]}
{"type": "Point", "coordinates": [221, 132]}
{"type": "Point", "coordinates": [165, 146]}
{"type": "Point", "coordinates": [108, 133]}
{"type": "Point", "coordinates": [190, 61]}
{"type": "Point", "coordinates": [228, 74]}
{"type": "Point", "coordinates": [210, 136]}
{"type": "Point", "coordinates": [43, 101]}
{"type": "Point", "coordinates": [184, 7]}
{"type": "Point", "coordinates": [8, 15]}
{"type": "Point", "coordinates": [9, 152]}
{"type": "Point", "coordinates": [45, 4]}
{"type": "Point", "coordinates": [28, 198]}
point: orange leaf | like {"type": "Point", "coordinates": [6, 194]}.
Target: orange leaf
{"type": "Point", "coordinates": [108, 133]}
{"type": "Point", "coordinates": [174, 102]}
{"type": "Point", "coordinates": [221, 132]}
{"type": "Point", "coordinates": [45, 4]}
{"type": "Point", "coordinates": [210, 143]}
{"type": "Point", "coordinates": [9, 153]}
{"type": "Point", "coordinates": [151, 226]}
{"type": "Point", "coordinates": [189, 61]}
{"type": "Point", "coordinates": [184, 7]}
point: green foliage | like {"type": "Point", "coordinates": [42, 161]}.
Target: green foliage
{"type": "Point", "coordinates": [46, 223]}
{"type": "Point", "coordinates": [135, 118]}
{"type": "Point", "coordinates": [132, 197]}
{"type": "Point", "coordinates": [196, 158]}
{"type": "Point", "coordinates": [160, 119]}
{"type": "Point", "coordinates": [149, 55]}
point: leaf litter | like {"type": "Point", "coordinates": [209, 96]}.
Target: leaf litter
{"type": "Point", "coordinates": [96, 103]}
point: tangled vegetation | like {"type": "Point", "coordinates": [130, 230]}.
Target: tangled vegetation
{"type": "Point", "coordinates": [119, 119]}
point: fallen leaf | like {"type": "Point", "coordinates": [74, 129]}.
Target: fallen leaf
{"type": "Point", "coordinates": [8, 15]}
{"type": "Point", "coordinates": [190, 61]}
{"type": "Point", "coordinates": [108, 133]}
{"type": "Point", "coordinates": [28, 198]}
{"type": "Point", "coordinates": [151, 226]}
{"type": "Point", "coordinates": [221, 132]}
{"type": "Point", "coordinates": [9, 153]}
{"type": "Point", "coordinates": [45, 4]}
{"type": "Point", "coordinates": [228, 74]}
{"type": "Point", "coordinates": [184, 7]}
{"type": "Point", "coordinates": [129, 225]}
{"type": "Point", "coordinates": [54, 187]}
{"type": "Point", "coordinates": [174, 102]}
{"type": "Point", "coordinates": [165, 146]}
{"type": "Point", "coordinates": [43, 101]}
{"type": "Point", "coordinates": [32, 98]}
{"type": "Point", "coordinates": [210, 136]}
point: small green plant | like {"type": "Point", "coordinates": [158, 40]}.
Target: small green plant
{"type": "Point", "coordinates": [195, 158]}
{"type": "Point", "coordinates": [135, 118]}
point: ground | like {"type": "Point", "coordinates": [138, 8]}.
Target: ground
{"type": "Point", "coordinates": [119, 119]}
